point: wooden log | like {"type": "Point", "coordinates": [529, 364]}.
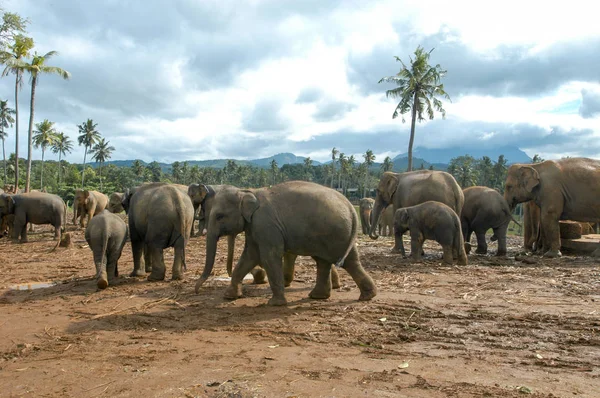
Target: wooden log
{"type": "Point", "coordinates": [570, 230]}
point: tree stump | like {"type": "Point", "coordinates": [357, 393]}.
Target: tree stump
{"type": "Point", "coordinates": [570, 230]}
{"type": "Point", "coordinates": [65, 240]}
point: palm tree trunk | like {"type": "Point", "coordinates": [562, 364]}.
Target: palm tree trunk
{"type": "Point", "coordinates": [59, 165]}
{"type": "Point", "coordinates": [101, 175]}
{"type": "Point", "coordinates": [332, 172]}
{"type": "Point", "coordinates": [17, 130]}
{"type": "Point", "coordinates": [83, 171]}
{"type": "Point", "coordinates": [30, 135]}
{"type": "Point", "coordinates": [42, 172]}
{"type": "Point", "coordinates": [412, 133]}
{"type": "Point", "coordinates": [4, 157]}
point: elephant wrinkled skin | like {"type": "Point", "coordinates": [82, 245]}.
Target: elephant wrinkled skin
{"type": "Point", "coordinates": [87, 204]}
{"type": "Point", "coordinates": [295, 217]}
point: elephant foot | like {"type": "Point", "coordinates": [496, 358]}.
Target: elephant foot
{"type": "Point", "coordinates": [416, 258]}
{"type": "Point", "coordinates": [176, 277]}
{"type": "Point", "coordinates": [137, 272]}
{"type": "Point", "coordinates": [277, 301]}
{"type": "Point", "coordinates": [260, 276]}
{"type": "Point", "coordinates": [468, 248]}
{"type": "Point", "coordinates": [233, 292]}
{"type": "Point", "coordinates": [148, 269]}
{"type": "Point", "coordinates": [481, 251]}
{"type": "Point", "coordinates": [501, 253]}
{"type": "Point", "coordinates": [396, 250]}
{"type": "Point", "coordinates": [553, 254]}
{"type": "Point", "coordinates": [335, 280]}
{"type": "Point", "coordinates": [156, 277]}
{"type": "Point", "coordinates": [319, 294]}
{"type": "Point", "coordinates": [23, 241]}
{"type": "Point", "coordinates": [366, 295]}
{"type": "Point", "coordinates": [102, 282]}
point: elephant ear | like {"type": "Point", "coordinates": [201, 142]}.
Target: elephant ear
{"type": "Point", "coordinates": [530, 178]}
{"type": "Point", "coordinates": [388, 186]}
{"type": "Point", "coordinates": [86, 194]}
{"type": "Point", "coordinates": [10, 204]}
{"type": "Point", "coordinates": [404, 217]}
{"type": "Point", "coordinates": [202, 192]}
{"type": "Point", "coordinates": [249, 205]}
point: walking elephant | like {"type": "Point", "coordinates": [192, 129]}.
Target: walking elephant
{"type": "Point", "coordinates": [365, 207]}
{"type": "Point", "coordinates": [295, 217]}
{"type": "Point", "coordinates": [160, 216]}
{"type": "Point", "coordinates": [565, 189]}
{"type": "Point", "coordinates": [435, 221]}
{"type": "Point", "coordinates": [34, 208]}
{"type": "Point", "coordinates": [485, 208]}
{"type": "Point", "coordinates": [412, 188]}
{"type": "Point", "coordinates": [87, 204]}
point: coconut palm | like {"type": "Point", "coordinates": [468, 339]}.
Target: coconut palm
{"type": "Point", "coordinates": [88, 137]}
{"type": "Point", "coordinates": [14, 59]}
{"type": "Point", "coordinates": [308, 163]}
{"type": "Point", "coordinates": [274, 170]}
{"type": "Point", "coordinates": [387, 164]}
{"type": "Point", "coordinates": [334, 153]}
{"type": "Point", "coordinates": [101, 152]}
{"type": "Point", "coordinates": [418, 88]}
{"type": "Point", "coordinates": [6, 121]}
{"type": "Point", "coordinates": [62, 145]}
{"type": "Point", "coordinates": [44, 136]}
{"type": "Point", "coordinates": [369, 159]}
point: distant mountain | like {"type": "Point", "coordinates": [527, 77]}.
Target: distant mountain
{"type": "Point", "coordinates": [281, 159]}
{"type": "Point", "coordinates": [443, 155]}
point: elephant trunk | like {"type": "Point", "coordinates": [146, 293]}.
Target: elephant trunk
{"type": "Point", "coordinates": [230, 249]}
{"type": "Point", "coordinates": [211, 251]}
{"type": "Point", "coordinates": [375, 214]}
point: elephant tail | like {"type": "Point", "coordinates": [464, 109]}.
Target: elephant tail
{"type": "Point", "coordinates": [353, 235]}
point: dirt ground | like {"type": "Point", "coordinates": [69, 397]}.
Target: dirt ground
{"type": "Point", "coordinates": [497, 327]}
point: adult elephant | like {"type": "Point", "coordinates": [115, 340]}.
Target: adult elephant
{"type": "Point", "coordinates": [412, 188]}
{"type": "Point", "coordinates": [160, 216]}
{"type": "Point", "coordinates": [115, 202]}
{"type": "Point", "coordinates": [365, 208]}
{"type": "Point", "coordinates": [87, 204]}
{"type": "Point", "coordinates": [34, 208]}
{"type": "Point", "coordinates": [485, 208]}
{"type": "Point", "coordinates": [295, 217]}
{"type": "Point", "coordinates": [566, 189]}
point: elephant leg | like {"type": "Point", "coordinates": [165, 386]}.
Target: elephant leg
{"type": "Point", "coordinates": [335, 278]}
{"type": "Point", "coordinates": [448, 254]}
{"type": "Point", "coordinates": [112, 256]}
{"type": "Point", "coordinates": [147, 259]}
{"type": "Point", "coordinates": [481, 243]}
{"type": "Point", "coordinates": [289, 263]}
{"type": "Point", "coordinates": [176, 273]}
{"type": "Point", "coordinates": [158, 264]}
{"type": "Point", "coordinates": [21, 230]}
{"type": "Point", "coordinates": [31, 227]}
{"type": "Point", "coordinates": [352, 265]}
{"type": "Point", "coordinates": [398, 245]}
{"type": "Point", "coordinates": [137, 248]}
{"type": "Point", "coordinates": [322, 289]}
{"type": "Point", "coordinates": [501, 235]}
{"type": "Point", "coordinates": [273, 264]}
{"type": "Point", "coordinates": [416, 245]}
{"type": "Point", "coordinates": [248, 260]}
{"type": "Point", "coordinates": [550, 228]}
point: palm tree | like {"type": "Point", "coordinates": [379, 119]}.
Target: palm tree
{"type": "Point", "coordinates": [101, 152]}
{"type": "Point", "coordinates": [418, 88]}
{"type": "Point", "coordinates": [36, 68]}
{"type": "Point", "coordinates": [44, 136]}
{"type": "Point", "coordinates": [62, 145]}
{"type": "Point", "coordinates": [15, 63]}
{"type": "Point", "coordinates": [334, 153]}
{"type": "Point", "coordinates": [369, 159]}
{"type": "Point", "coordinates": [387, 164]}
{"type": "Point", "coordinates": [341, 160]}
{"type": "Point", "coordinates": [308, 165]}
{"type": "Point", "coordinates": [274, 170]}
{"type": "Point", "coordinates": [139, 170]}
{"type": "Point", "coordinates": [6, 121]}
{"type": "Point", "coordinates": [88, 136]}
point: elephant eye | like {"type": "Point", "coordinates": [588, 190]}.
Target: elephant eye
{"type": "Point", "coordinates": [220, 216]}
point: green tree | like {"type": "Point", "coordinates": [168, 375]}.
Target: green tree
{"type": "Point", "coordinates": [88, 137]}
{"type": "Point", "coordinates": [430, 167]}
{"type": "Point", "coordinates": [155, 171]}
{"type": "Point", "coordinates": [274, 170]}
{"type": "Point", "coordinates": [418, 88]}
{"type": "Point", "coordinates": [369, 160]}
{"type": "Point", "coordinates": [101, 152]}
{"type": "Point", "coordinates": [485, 168]}
{"type": "Point", "coordinates": [194, 174]}
{"type": "Point", "coordinates": [185, 173]}
{"type": "Point", "coordinates": [499, 173]}
{"type": "Point", "coordinates": [308, 164]}
{"type": "Point", "coordinates": [463, 170]}
{"type": "Point", "coordinates": [6, 121]}
{"type": "Point", "coordinates": [537, 159]}
{"type": "Point", "coordinates": [36, 68]}
{"type": "Point", "coordinates": [387, 164]}
{"type": "Point", "coordinates": [12, 25]}
{"type": "Point", "coordinates": [342, 161]}
{"type": "Point", "coordinates": [176, 172]}
{"type": "Point", "coordinates": [44, 136]}
{"type": "Point", "coordinates": [138, 170]}
{"type": "Point", "coordinates": [14, 59]}
{"type": "Point", "coordinates": [334, 153]}
{"type": "Point", "coordinates": [62, 145]}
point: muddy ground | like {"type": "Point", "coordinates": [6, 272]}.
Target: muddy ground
{"type": "Point", "coordinates": [497, 327]}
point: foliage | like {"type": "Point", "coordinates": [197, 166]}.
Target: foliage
{"type": "Point", "coordinates": [469, 171]}
{"type": "Point", "coordinates": [88, 137]}
{"type": "Point", "coordinates": [6, 121]}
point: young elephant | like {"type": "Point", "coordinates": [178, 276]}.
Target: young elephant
{"type": "Point", "coordinates": [106, 234]}
{"type": "Point", "coordinates": [435, 221]}
{"type": "Point", "coordinates": [115, 204]}
{"type": "Point", "coordinates": [485, 208]}
{"type": "Point", "coordinates": [386, 222]}
{"type": "Point", "coordinates": [365, 207]}
{"type": "Point", "coordinates": [87, 203]}
{"type": "Point", "coordinates": [294, 217]}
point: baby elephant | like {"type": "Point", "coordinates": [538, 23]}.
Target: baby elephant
{"type": "Point", "coordinates": [106, 234]}
{"type": "Point", "coordinates": [431, 220]}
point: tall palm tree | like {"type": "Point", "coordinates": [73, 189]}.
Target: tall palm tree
{"type": "Point", "coordinates": [334, 153]}
{"type": "Point", "coordinates": [6, 121]}
{"type": "Point", "coordinates": [14, 59]}
{"type": "Point", "coordinates": [341, 160]}
{"type": "Point", "coordinates": [139, 170]}
{"type": "Point", "coordinates": [36, 68]}
{"type": "Point", "coordinates": [387, 164]}
{"type": "Point", "coordinates": [274, 170]}
{"type": "Point", "coordinates": [62, 145]}
{"type": "Point", "coordinates": [101, 152]}
{"type": "Point", "coordinates": [369, 159]}
{"type": "Point", "coordinates": [418, 88]}
{"type": "Point", "coordinates": [44, 136]}
{"type": "Point", "coordinates": [88, 137]}
{"type": "Point", "coordinates": [308, 166]}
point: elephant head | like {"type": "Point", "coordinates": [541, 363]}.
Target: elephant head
{"type": "Point", "coordinates": [231, 212]}
{"type": "Point", "coordinates": [521, 184]}
{"type": "Point", "coordinates": [388, 184]}
{"type": "Point", "coordinates": [115, 202]}
{"type": "Point", "coordinates": [197, 192]}
{"type": "Point", "coordinates": [126, 200]}
{"type": "Point", "coordinates": [401, 221]}
{"type": "Point", "coordinates": [7, 205]}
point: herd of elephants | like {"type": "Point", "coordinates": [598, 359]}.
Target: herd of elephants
{"type": "Point", "coordinates": [295, 218]}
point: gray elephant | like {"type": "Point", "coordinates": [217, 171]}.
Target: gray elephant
{"type": "Point", "coordinates": [160, 216]}
{"type": "Point", "coordinates": [115, 202]}
{"type": "Point", "coordinates": [412, 188]}
{"type": "Point", "coordinates": [365, 207]}
{"type": "Point", "coordinates": [106, 235]}
{"type": "Point", "coordinates": [34, 208]}
{"type": "Point", "coordinates": [295, 217]}
{"type": "Point", "coordinates": [435, 221]}
{"type": "Point", "coordinates": [386, 222]}
{"type": "Point", "coordinates": [485, 208]}
{"type": "Point", "coordinates": [87, 204]}
{"type": "Point", "coordinates": [532, 231]}
{"type": "Point", "coordinates": [566, 189]}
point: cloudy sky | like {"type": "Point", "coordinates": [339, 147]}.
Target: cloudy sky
{"type": "Point", "coordinates": [203, 79]}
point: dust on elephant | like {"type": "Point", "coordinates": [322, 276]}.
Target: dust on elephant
{"type": "Point", "coordinates": [386, 222]}
{"type": "Point", "coordinates": [87, 204]}
{"type": "Point", "coordinates": [435, 221]}
{"type": "Point", "coordinates": [566, 189]}
{"type": "Point", "coordinates": [412, 188]}
{"type": "Point", "coordinates": [532, 231]}
{"type": "Point", "coordinates": [485, 208]}
{"type": "Point", "coordinates": [365, 207]}
{"type": "Point", "coordinates": [34, 208]}
{"type": "Point", "coordinates": [106, 235]}
{"type": "Point", "coordinates": [294, 217]}
{"type": "Point", "coordinates": [115, 202]}
{"type": "Point", "coordinates": [160, 216]}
